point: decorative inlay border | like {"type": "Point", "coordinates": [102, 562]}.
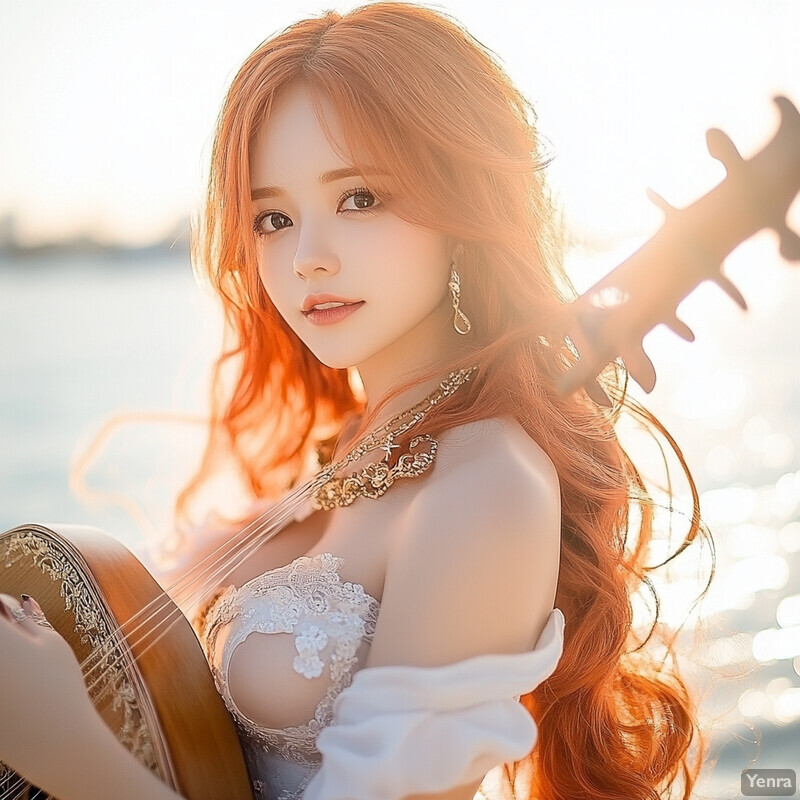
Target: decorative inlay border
{"type": "Point", "coordinates": [108, 658]}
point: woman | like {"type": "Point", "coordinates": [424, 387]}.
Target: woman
{"type": "Point", "coordinates": [379, 232]}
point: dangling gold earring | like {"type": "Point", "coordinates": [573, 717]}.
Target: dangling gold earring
{"type": "Point", "coordinates": [455, 296]}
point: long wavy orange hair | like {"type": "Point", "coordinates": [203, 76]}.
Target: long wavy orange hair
{"type": "Point", "coordinates": [422, 100]}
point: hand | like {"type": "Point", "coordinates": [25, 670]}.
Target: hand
{"type": "Point", "coordinates": [50, 731]}
{"type": "Point", "coordinates": [43, 699]}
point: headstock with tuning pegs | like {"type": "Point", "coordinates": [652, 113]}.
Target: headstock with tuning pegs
{"type": "Point", "coordinates": [613, 316]}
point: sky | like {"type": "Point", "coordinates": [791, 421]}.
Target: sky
{"type": "Point", "coordinates": [107, 107]}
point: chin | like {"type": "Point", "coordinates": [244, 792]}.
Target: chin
{"type": "Point", "coordinates": [336, 363]}
{"type": "Point", "coordinates": [335, 359]}
{"type": "Point", "coordinates": [342, 357]}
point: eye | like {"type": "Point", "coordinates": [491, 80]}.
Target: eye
{"type": "Point", "coordinates": [363, 199]}
{"type": "Point", "coordinates": [277, 219]}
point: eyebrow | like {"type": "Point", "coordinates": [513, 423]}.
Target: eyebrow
{"type": "Point", "coordinates": [326, 177]}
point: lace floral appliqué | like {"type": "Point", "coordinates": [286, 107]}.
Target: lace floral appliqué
{"type": "Point", "coordinates": [329, 619]}
{"type": "Point", "coordinates": [309, 641]}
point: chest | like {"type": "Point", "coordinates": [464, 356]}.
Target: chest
{"type": "Point", "coordinates": [361, 535]}
{"type": "Point", "coordinates": [299, 614]}
{"type": "Point", "coordinates": [299, 627]}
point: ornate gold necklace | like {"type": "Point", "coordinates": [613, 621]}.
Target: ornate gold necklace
{"type": "Point", "coordinates": [375, 479]}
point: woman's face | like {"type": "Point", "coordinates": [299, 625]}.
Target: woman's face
{"type": "Point", "coordinates": [324, 236]}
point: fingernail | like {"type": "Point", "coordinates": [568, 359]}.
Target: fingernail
{"type": "Point", "coordinates": [30, 605]}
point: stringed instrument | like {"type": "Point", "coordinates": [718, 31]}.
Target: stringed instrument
{"type": "Point", "coordinates": [611, 318]}
{"type": "Point", "coordinates": [143, 664]}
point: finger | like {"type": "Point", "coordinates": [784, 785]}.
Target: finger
{"type": "Point", "coordinates": [34, 611]}
{"type": "Point", "coordinates": [16, 612]}
{"type": "Point", "coordinates": [5, 610]}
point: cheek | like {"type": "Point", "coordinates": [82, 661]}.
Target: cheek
{"type": "Point", "coordinates": [271, 277]}
{"type": "Point", "coordinates": [278, 289]}
{"type": "Point", "coordinates": [265, 277]}
{"type": "Point", "coordinates": [413, 265]}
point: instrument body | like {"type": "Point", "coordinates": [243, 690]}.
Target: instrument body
{"type": "Point", "coordinates": [151, 684]}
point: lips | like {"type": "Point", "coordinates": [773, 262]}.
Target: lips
{"type": "Point", "coordinates": [331, 313]}
{"type": "Point", "coordinates": [321, 302]}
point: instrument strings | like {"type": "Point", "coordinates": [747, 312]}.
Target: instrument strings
{"type": "Point", "coordinates": [210, 570]}
{"type": "Point", "coordinates": [200, 578]}
{"type": "Point", "coordinates": [15, 790]}
{"type": "Point", "coordinates": [188, 588]}
{"type": "Point", "coordinates": [191, 587]}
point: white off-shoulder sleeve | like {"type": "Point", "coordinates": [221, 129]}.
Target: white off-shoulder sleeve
{"type": "Point", "coordinates": [399, 731]}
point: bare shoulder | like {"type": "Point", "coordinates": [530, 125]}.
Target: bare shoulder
{"type": "Point", "coordinates": [492, 469]}
{"type": "Point", "coordinates": [499, 439]}
{"type": "Point", "coordinates": [474, 559]}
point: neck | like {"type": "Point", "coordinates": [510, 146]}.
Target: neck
{"type": "Point", "coordinates": [418, 353]}
{"type": "Point", "coordinates": [411, 412]}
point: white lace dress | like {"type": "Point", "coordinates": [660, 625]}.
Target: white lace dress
{"type": "Point", "coordinates": [380, 730]}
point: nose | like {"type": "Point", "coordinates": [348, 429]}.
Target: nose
{"type": "Point", "coordinates": [314, 259]}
